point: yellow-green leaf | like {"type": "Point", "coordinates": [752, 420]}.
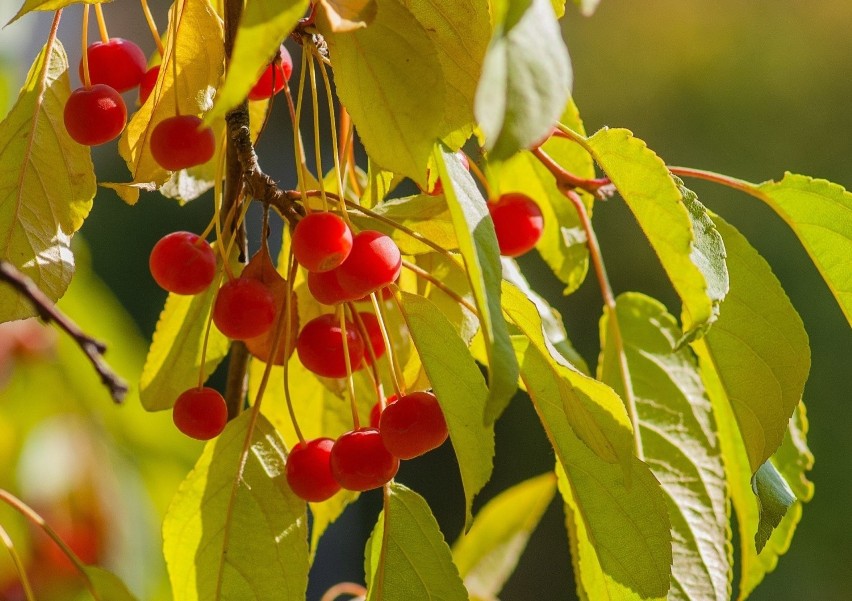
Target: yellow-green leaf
{"type": "Point", "coordinates": [200, 60]}
{"type": "Point", "coordinates": [47, 184]}
{"type": "Point", "coordinates": [48, 5]}
{"type": "Point", "coordinates": [587, 7]}
{"type": "Point", "coordinates": [487, 555]}
{"type": "Point", "coordinates": [679, 440]}
{"type": "Point", "coordinates": [236, 532]}
{"type": "Point", "coordinates": [478, 245]}
{"type": "Point", "coordinates": [427, 215]}
{"type": "Point", "coordinates": [174, 359]}
{"type": "Point", "coordinates": [460, 389]}
{"type": "Point", "coordinates": [389, 77]}
{"type": "Point", "coordinates": [406, 556]}
{"type": "Point", "coordinates": [774, 499]}
{"type": "Point", "coordinates": [647, 187]}
{"type": "Point", "coordinates": [347, 15]}
{"type": "Point", "coordinates": [758, 348]}
{"type": "Point", "coordinates": [263, 26]}
{"type": "Point", "coordinates": [108, 586]}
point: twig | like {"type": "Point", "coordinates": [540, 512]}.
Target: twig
{"type": "Point", "coordinates": [601, 188]}
{"type": "Point", "coordinates": [94, 349]}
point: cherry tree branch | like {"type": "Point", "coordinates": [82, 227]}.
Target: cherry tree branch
{"type": "Point", "coordinates": [93, 349]}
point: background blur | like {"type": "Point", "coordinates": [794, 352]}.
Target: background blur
{"type": "Point", "coordinates": [746, 88]}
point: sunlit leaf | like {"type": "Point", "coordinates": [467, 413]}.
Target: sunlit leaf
{"type": "Point", "coordinates": [347, 15]}
{"type": "Point", "coordinates": [238, 533]}
{"type": "Point", "coordinates": [389, 77]}
{"type": "Point", "coordinates": [460, 389]}
{"type": "Point", "coordinates": [758, 348]}
{"type": "Point", "coordinates": [263, 26]}
{"type": "Point", "coordinates": [47, 5]}
{"type": "Point", "coordinates": [478, 245]}
{"type": "Point", "coordinates": [427, 215]}
{"type": "Point", "coordinates": [47, 184]}
{"type": "Point", "coordinates": [678, 438]}
{"type": "Point", "coordinates": [487, 555]}
{"type": "Point", "coordinates": [644, 182]}
{"type": "Point", "coordinates": [108, 586]}
{"type": "Point", "coordinates": [407, 556]}
{"type": "Point", "coordinates": [587, 7]}
{"type": "Point", "coordinates": [526, 78]}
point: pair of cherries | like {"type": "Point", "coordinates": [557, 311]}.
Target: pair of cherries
{"type": "Point", "coordinates": [367, 458]}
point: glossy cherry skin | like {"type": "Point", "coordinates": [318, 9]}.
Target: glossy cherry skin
{"type": "Point", "coordinates": [413, 425]}
{"type": "Point", "coordinates": [244, 308]}
{"type": "Point", "coordinates": [321, 242]}
{"type": "Point", "coordinates": [373, 263]}
{"type": "Point", "coordinates": [374, 334]}
{"type": "Point", "coordinates": [183, 263]}
{"type": "Point", "coordinates": [118, 63]}
{"type": "Point", "coordinates": [181, 142]}
{"type": "Point", "coordinates": [518, 223]}
{"type": "Point", "coordinates": [149, 80]}
{"type": "Point", "coordinates": [376, 411]}
{"type": "Point", "coordinates": [309, 470]}
{"type": "Point", "coordinates": [94, 115]}
{"type": "Point", "coordinates": [360, 461]}
{"type": "Point", "coordinates": [320, 347]}
{"type": "Point", "coordinates": [274, 77]}
{"type": "Point", "coordinates": [325, 287]}
{"type": "Point", "coordinates": [200, 413]}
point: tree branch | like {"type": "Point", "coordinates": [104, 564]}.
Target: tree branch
{"type": "Point", "coordinates": [93, 349]}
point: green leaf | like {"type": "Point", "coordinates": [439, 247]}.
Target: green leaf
{"type": "Point", "coordinates": [590, 409]}
{"type": "Point", "coordinates": [652, 195]}
{"type": "Point", "coordinates": [407, 556]}
{"type": "Point", "coordinates": [263, 25]}
{"type": "Point", "coordinates": [48, 5]}
{"type": "Point", "coordinates": [526, 78]}
{"type": "Point", "coordinates": [389, 77]}
{"type": "Point", "coordinates": [487, 555]}
{"type": "Point", "coordinates": [108, 586]}
{"type": "Point", "coordinates": [47, 184]}
{"type": "Point", "coordinates": [478, 246]}
{"type": "Point", "coordinates": [427, 215]}
{"type": "Point", "coordinates": [460, 389]}
{"type": "Point", "coordinates": [678, 438]}
{"type": "Point", "coordinates": [563, 242]}
{"type": "Point", "coordinates": [818, 213]}
{"type": "Point", "coordinates": [758, 349]}
{"type": "Point", "coordinates": [235, 533]}
{"type": "Point", "coordinates": [774, 498]}
{"type": "Point", "coordinates": [174, 359]}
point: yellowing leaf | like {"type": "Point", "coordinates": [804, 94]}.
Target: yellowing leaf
{"type": "Point", "coordinates": [47, 184]}
{"type": "Point", "coordinates": [487, 554]}
{"type": "Point", "coordinates": [389, 77]}
{"type": "Point", "coordinates": [108, 586]}
{"type": "Point", "coordinates": [227, 537]}
{"type": "Point", "coordinates": [200, 61]}
{"type": "Point", "coordinates": [263, 26]}
{"type": "Point", "coordinates": [406, 556]}
{"type": "Point", "coordinates": [47, 5]}
{"type": "Point", "coordinates": [347, 15]}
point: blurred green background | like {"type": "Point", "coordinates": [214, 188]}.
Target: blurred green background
{"type": "Point", "coordinates": [746, 88]}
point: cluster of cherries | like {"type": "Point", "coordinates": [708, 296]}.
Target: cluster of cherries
{"type": "Point", "coordinates": [96, 113]}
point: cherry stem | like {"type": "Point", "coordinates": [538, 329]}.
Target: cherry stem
{"type": "Point", "coordinates": [600, 188]}
{"type": "Point", "coordinates": [350, 383]}
{"type": "Point", "coordinates": [422, 273]}
{"type": "Point", "coordinates": [317, 145]}
{"type": "Point", "coordinates": [201, 374]}
{"type": "Point", "coordinates": [609, 307]}
{"type": "Point", "coordinates": [87, 79]}
{"type": "Point", "coordinates": [374, 361]}
{"type": "Point", "coordinates": [291, 277]}
{"type": "Point", "coordinates": [29, 513]}
{"type": "Point", "coordinates": [47, 310]}
{"type": "Point", "coordinates": [174, 27]}
{"type": "Point", "coordinates": [397, 378]}
{"type": "Point", "coordinates": [152, 25]}
{"type": "Point", "coordinates": [334, 141]}
{"type": "Point", "coordinates": [344, 588]}
{"type": "Point", "coordinates": [102, 28]}
{"type": "Point", "coordinates": [19, 565]}
{"type": "Point", "coordinates": [301, 160]}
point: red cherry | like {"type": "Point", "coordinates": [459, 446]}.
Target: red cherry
{"type": "Point", "coordinates": [200, 413]}
{"type": "Point", "coordinates": [320, 347]}
{"type": "Point", "coordinates": [413, 425]}
{"type": "Point", "coordinates": [244, 308]}
{"type": "Point", "coordinates": [360, 461]}
{"type": "Point", "coordinates": [438, 188]}
{"type": "Point", "coordinates": [309, 470]}
{"type": "Point", "coordinates": [183, 263]}
{"type": "Point", "coordinates": [518, 223]}
{"type": "Point", "coordinates": [321, 242]}
{"type": "Point", "coordinates": [373, 263]}
{"type": "Point", "coordinates": [182, 141]}
{"type": "Point", "coordinates": [274, 78]}
{"type": "Point", "coordinates": [374, 333]}
{"type": "Point", "coordinates": [118, 63]}
{"type": "Point", "coordinates": [95, 115]}
{"type": "Point", "coordinates": [149, 80]}
{"type": "Point", "coordinates": [326, 288]}
{"type": "Point", "coordinates": [376, 411]}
